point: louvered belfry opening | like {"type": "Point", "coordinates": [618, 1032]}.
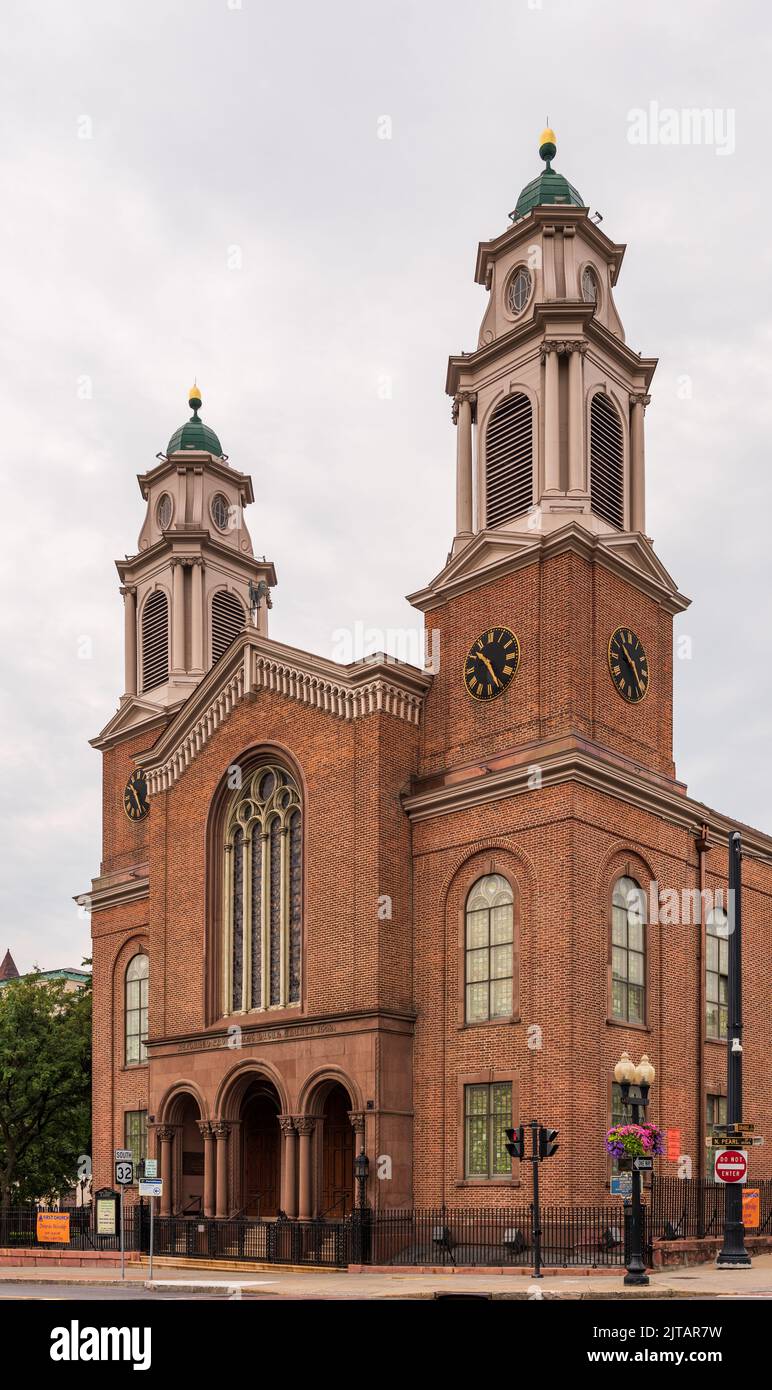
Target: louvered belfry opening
{"type": "Point", "coordinates": [607, 481]}
{"type": "Point", "coordinates": [227, 621]}
{"type": "Point", "coordinates": [155, 641]}
{"type": "Point", "coordinates": [509, 460]}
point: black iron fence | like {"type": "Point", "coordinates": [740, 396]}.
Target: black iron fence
{"type": "Point", "coordinates": [675, 1209]}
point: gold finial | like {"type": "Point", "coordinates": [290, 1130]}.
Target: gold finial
{"type": "Point", "coordinates": [548, 145]}
{"type": "Point", "coordinates": [194, 397]}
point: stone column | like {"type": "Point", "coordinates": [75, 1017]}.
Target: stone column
{"type": "Point", "coordinates": [197, 616]}
{"type": "Point", "coordinates": [576, 467]}
{"type": "Point", "coordinates": [289, 1191]}
{"type": "Point", "coordinates": [549, 355]}
{"type": "Point", "coordinates": [210, 1166]}
{"type": "Point", "coordinates": [357, 1118]}
{"type": "Point", "coordinates": [221, 1132]}
{"type": "Point", "coordinates": [165, 1136]}
{"type": "Point", "coordinates": [305, 1127]}
{"type": "Point", "coordinates": [178, 616]}
{"type": "Point", "coordinates": [638, 403]}
{"type": "Point", "coordinates": [462, 411]}
{"type": "Point", "coordinates": [130, 637]}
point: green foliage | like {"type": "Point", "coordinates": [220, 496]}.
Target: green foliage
{"type": "Point", "coordinates": [45, 1087]}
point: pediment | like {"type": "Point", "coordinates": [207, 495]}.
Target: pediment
{"type": "Point", "coordinates": [133, 713]}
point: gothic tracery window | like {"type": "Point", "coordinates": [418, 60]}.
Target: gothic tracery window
{"type": "Point", "coordinates": [263, 892]}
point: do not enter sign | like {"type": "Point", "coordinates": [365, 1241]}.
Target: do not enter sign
{"type": "Point", "coordinates": [731, 1165]}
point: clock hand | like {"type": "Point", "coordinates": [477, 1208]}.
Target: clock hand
{"type": "Point", "coordinates": [490, 668]}
{"type": "Point", "coordinates": [631, 664]}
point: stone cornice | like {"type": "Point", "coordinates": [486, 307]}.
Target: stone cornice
{"type": "Point", "coordinates": [193, 459]}
{"type": "Point", "coordinates": [255, 1027]}
{"type": "Point", "coordinates": [589, 765]}
{"type": "Point", "coordinates": [134, 715]}
{"type": "Point", "coordinates": [253, 663]}
{"type": "Point", "coordinates": [191, 544]}
{"type": "Point", "coordinates": [492, 554]}
{"type": "Point", "coordinates": [115, 891]}
{"type": "Point", "coordinates": [561, 317]}
{"type": "Point", "coordinates": [549, 216]}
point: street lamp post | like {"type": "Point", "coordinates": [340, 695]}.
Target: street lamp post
{"type": "Point", "coordinates": [733, 1253]}
{"type": "Point", "coordinates": [361, 1174]}
{"type": "Point", "coordinates": [635, 1083]}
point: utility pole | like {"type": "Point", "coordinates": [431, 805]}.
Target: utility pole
{"type": "Point", "coordinates": [733, 1254]}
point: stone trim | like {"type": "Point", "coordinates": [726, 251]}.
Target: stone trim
{"type": "Point", "coordinates": [579, 764]}
{"type": "Point", "coordinates": [115, 894]}
{"type": "Point", "coordinates": [373, 685]}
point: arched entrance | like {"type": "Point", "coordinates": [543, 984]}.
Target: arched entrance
{"type": "Point", "coordinates": [260, 1149]}
{"type": "Point", "coordinates": [337, 1194]}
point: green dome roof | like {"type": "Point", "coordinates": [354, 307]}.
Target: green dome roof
{"type": "Point", "coordinates": [549, 187]}
{"type": "Point", "coordinates": [194, 434]}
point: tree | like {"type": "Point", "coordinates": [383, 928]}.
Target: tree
{"type": "Point", "coordinates": [45, 1087]}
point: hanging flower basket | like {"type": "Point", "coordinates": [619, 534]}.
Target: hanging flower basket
{"type": "Point", "coordinates": [634, 1141]}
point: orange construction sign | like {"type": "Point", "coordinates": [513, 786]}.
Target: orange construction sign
{"type": "Point", "coordinates": [751, 1208]}
{"type": "Point", "coordinates": [54, 1226]}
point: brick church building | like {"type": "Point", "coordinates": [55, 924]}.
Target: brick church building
{"type": "Point", "coordinates": [372, 907]}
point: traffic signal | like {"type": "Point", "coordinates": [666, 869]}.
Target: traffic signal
{"type": "Point", "coordinates": [515, 1142]}
{"type": "Point", "coordinates": [547, 1145]}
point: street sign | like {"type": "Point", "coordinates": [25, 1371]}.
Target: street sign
{"type": "Point", "coordinates": [151, 1167]}
{"type": "Point", "coordinates": [622, 1185]}
{"type": "Point", "coordinates": [644, 1165]}
{"type": "Point", "coordinates": [152, 1187]}
{"type": "Point", "coordinates": [124, 1155]}
{"type": "Point", "coordinates": [751, 1208]}
{"type": "Point", "coordinates": [723, 1141]}
{"type": "Point", "coordinates": [124, 1173]}
{"type": "Point", "coordinates": [731, 1166]}
{"type": "Point", "coordinates": [740, 1128]}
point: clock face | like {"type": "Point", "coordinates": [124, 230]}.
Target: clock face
{"type": "Point", "coordinates": [136, 803]}
{"type": "Point", "coordinates": [491, 663]}
{"type": "Point", "coordinates": [629, 665]}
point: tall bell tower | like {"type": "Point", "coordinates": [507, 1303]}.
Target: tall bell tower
{"type": "Point", "coordinates": [194, 582]}
{"type": "Point", "coordinates": [550, 538]}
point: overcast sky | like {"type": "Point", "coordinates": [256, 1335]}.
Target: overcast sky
{"type": "Point", "coordinates": [202, 188]}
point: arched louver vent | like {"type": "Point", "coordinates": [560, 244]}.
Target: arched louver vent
{"type": "Point", "coordinates": [607, 488]}
{"type": "Point", "coordinates": [509, 460]}
{"type": "Point", "coordinates": [227, 622]}
{"type": "Point", "coordinates": [155, 641]}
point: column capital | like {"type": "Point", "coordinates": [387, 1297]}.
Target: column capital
{"type": "Point", "coordinates": [463, 398]}
{"type": "Point", "coordinates": [221, 1129]}
{"type": "Point", "coordinates": [128, 590]}
{"type": "Point", "coordinates": [305, 1124]}
{"type": "Point", "coordinates": [205, 1128]}
{"type": "Point", "coordinates": [357, 1118]}
{"type": "Point", "coordinates": [640, 398]}
{"type": "Point", "coordinates": [165, 1133]}
{"type": "Point", "coordinates": [562, 346]}
{"type": "Point", "coordinates": [288, 1124]}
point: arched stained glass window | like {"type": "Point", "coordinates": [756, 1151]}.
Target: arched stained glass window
{"type": "Point", "coordinates": [137, 981]}
{"type": "Point", "coordinates": [263, 893]}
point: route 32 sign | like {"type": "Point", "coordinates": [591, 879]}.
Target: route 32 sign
{"type": "Point", "coordinates": [124, 1173]}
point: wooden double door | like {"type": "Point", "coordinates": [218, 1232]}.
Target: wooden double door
{"type": "Point", "coordinates": [261, 1147]}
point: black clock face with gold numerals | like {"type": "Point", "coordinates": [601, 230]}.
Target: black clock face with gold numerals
{"type": "Point", "coordinates": [136, 802]}
{"type": "Point", "coordinates": [629, 665]}
{"type": "Point", "coordinates": [491, 663]}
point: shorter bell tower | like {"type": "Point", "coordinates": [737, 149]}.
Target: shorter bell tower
{"type": "Point", "coordinates": [195, 582]}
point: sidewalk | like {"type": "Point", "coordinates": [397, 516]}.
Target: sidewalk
{"type": "Point", "coordinates": [274, 1281]}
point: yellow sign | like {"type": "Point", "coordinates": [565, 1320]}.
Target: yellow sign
{"type": "Point", "coordinates": [751, 1208]}
{"type": "Point", "coordinates": [54, 1226]}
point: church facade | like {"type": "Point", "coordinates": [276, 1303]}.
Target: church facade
{"type": "Point", "coordinates": [373, 908]}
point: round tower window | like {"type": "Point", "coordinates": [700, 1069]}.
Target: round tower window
{"type": "Point", "coordinates": [220, 511]}
{"type": "Point", "coordinates": [519, 290]}
{"type": "Point", "coordinates": [164, 513]}
{"type": "Point", "coordinates": [589, 285]}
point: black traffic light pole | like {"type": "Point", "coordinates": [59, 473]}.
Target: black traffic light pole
{"type": "Point", "coordinates": [733, 1252]}
{"type": "Point", "coordinates": [535, 1208]}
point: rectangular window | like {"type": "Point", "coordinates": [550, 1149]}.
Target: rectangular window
{"type": "Point", "coordinates": [717, 975]}
{"type": "Point", "coordinates": [628, 958]}
{"type": "Point", "coordinates": [135, 1134]}
{"type": "Point", "coordinates": [715, 1114]}
{"type": "Point", "coordinates": [487, 1114]}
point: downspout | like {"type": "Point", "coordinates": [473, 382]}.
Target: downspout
{"type": "Point", "coordinates": [703, 845]}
